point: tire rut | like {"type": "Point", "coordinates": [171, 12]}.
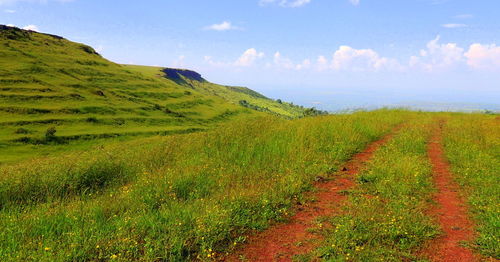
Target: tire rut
{"type": "Point", "coordinates": [451, 211]}
{"type": "Point", "coordinates": [282, 242]}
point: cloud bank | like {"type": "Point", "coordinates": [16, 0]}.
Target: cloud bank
{"type": "Point", "coordinates": [435, 57]}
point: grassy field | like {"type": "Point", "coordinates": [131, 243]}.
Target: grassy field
{"type": "Point", "coordinates": [177, 197]}
{"type": "Point", "coordinates": [472, 144]}
{"type": "Point", "coordinates": [101, 161]}
{"type": "Point", "coordinates": [385, 217]}
{"type": "Point", "coordinates": [198, 196]}
{"type": "Point", "coordinates": [49, 82]}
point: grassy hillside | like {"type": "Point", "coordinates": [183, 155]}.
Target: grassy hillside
{"type": "Point", "coordinates": [237, 95]}
{"type": "Point", "coordinates": [174, 198]}
{"type": "Point", "coordinates": [47, 82]}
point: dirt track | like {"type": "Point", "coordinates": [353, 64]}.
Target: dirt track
{"type": "Point", "coordinates": [450, 211]}
{"type": "Point", "coordinates": [283, 241]}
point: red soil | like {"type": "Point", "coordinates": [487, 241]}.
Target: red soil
{"type": "Point", "coordinates": [283, 241]}
{"type": "Point", "coordinates": [451, 211]}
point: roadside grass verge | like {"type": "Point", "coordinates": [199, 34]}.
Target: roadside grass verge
{"type": "Point", "coordinates": [472, 145]}
{"type": "Point", "coordinates": [174, 198]}
{"type": "Point", "coordinates": [384, 217]}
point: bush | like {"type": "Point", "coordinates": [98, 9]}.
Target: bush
{"type": "Point", "coordinates": [51, 132]}
{"type": "Point", "coordinates": [22, 131]}
{"type": "Point", "coordinates": [92, 119]}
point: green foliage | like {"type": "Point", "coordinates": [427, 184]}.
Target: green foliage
{"type": "Point", "coordinates": [384, 219]}
{"type": "Point", "coordinates": [22, 131]}
{"type": "Point", "coordinates": [173, 198]}
{"type": "Point", "coordinates": [314, 112]}
{"type": "Point", "coordinates": [473, 147]}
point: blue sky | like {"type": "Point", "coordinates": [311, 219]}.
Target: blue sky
{"type": "Point", "coordinates": [330, 54]}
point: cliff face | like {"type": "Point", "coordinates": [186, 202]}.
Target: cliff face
{"type": "Point", "coordinates": [14, 33]}
{"type": "Point", "coordinates": [177, 74]}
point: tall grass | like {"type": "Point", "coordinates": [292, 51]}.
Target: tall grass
{"type": "Point", "coordinates": [472, 145]}
{"type": "Point", "coordinates": [175, 198]}
{"type": "Point", "coordinates": [384, 218]}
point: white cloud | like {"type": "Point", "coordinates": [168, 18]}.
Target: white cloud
{"type": "Point", "coordinates": [306, 64]}
{"type": "Point", "coordinates": [248, 57]}
{"type": "Point", "coordinates": [298, 3]}
{"type": "Point", "coordinates": [483, 57]}
{"type": "Point", "coordinates": [348, 58]}
{"type": "Point", "coordinates": [99, 48]}
{"type": "Point", "coordinates": [28, 27]}
{"type": "Point", "coordinates": [295, 3]}
{"type": "Point", "coordinates": [10, 2]}
{"type": "Point", "coordinates": [224, 26]}
{"type": "Point", "coordinates": [439, 2]}
{"type": "Point", "coordinates": [464, 16]}
{"type": "Point", "coordinates": [454, 25]}
{"type": "Point", "coordinates": [31, 28]}
{"type": "Point", "coordinates": [286, 3]}
{"type": "Point", "coordinates": [354, 2]}
{"type": "Point", "coordinates": [210, 60]}
{"type": "Point", "coordinates": [179, 62]}
{"type": "Point", "coordinates": [9, 11]}
{"type": "Point", "coordinates": [322, 63]}
{"type": "Point", "coordinates": [438, 56]}
{"type": "Point", "coordinates": [282, 62]}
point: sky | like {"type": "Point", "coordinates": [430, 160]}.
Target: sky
{"type": "Point", "coordinates": [331, 54]}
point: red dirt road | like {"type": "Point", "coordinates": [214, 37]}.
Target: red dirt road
{"type": "Point", "coordinates": [451, 211]}
{"type": "Point", "coordinates": [283, 241]}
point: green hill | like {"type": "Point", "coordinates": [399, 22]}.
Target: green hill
{"type": "Point", "coordinates": [237, 95]}
{"type": "Point", "coordinates": [50, 83]}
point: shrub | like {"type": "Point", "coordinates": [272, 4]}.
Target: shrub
{"type": "Point", "coordinates": [50, 133]}
{"type": "Point", "coordinates": [22, 131]}
{"type": "Point", "coordinates": [92, 119]}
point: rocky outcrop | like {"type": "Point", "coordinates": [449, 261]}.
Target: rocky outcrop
{"type": "Point", "coordinates": [181, 75]}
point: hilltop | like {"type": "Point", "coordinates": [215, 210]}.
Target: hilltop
{"type": "Point", "coordinates": [54, 91]}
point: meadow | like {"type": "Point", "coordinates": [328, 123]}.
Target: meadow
{"type": "Point", "coordinates": [101, 161]}
{"type": "Point", "coordinates": [48, 82]}
{"type": "Point", "coordinates": [178, 197]}
{"type": "Point", "coordinates": [200, 195]}
{"type": "Point", "coordinates": [385, 217]}
{"type": "Point", "coordinates": [473, 147]}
